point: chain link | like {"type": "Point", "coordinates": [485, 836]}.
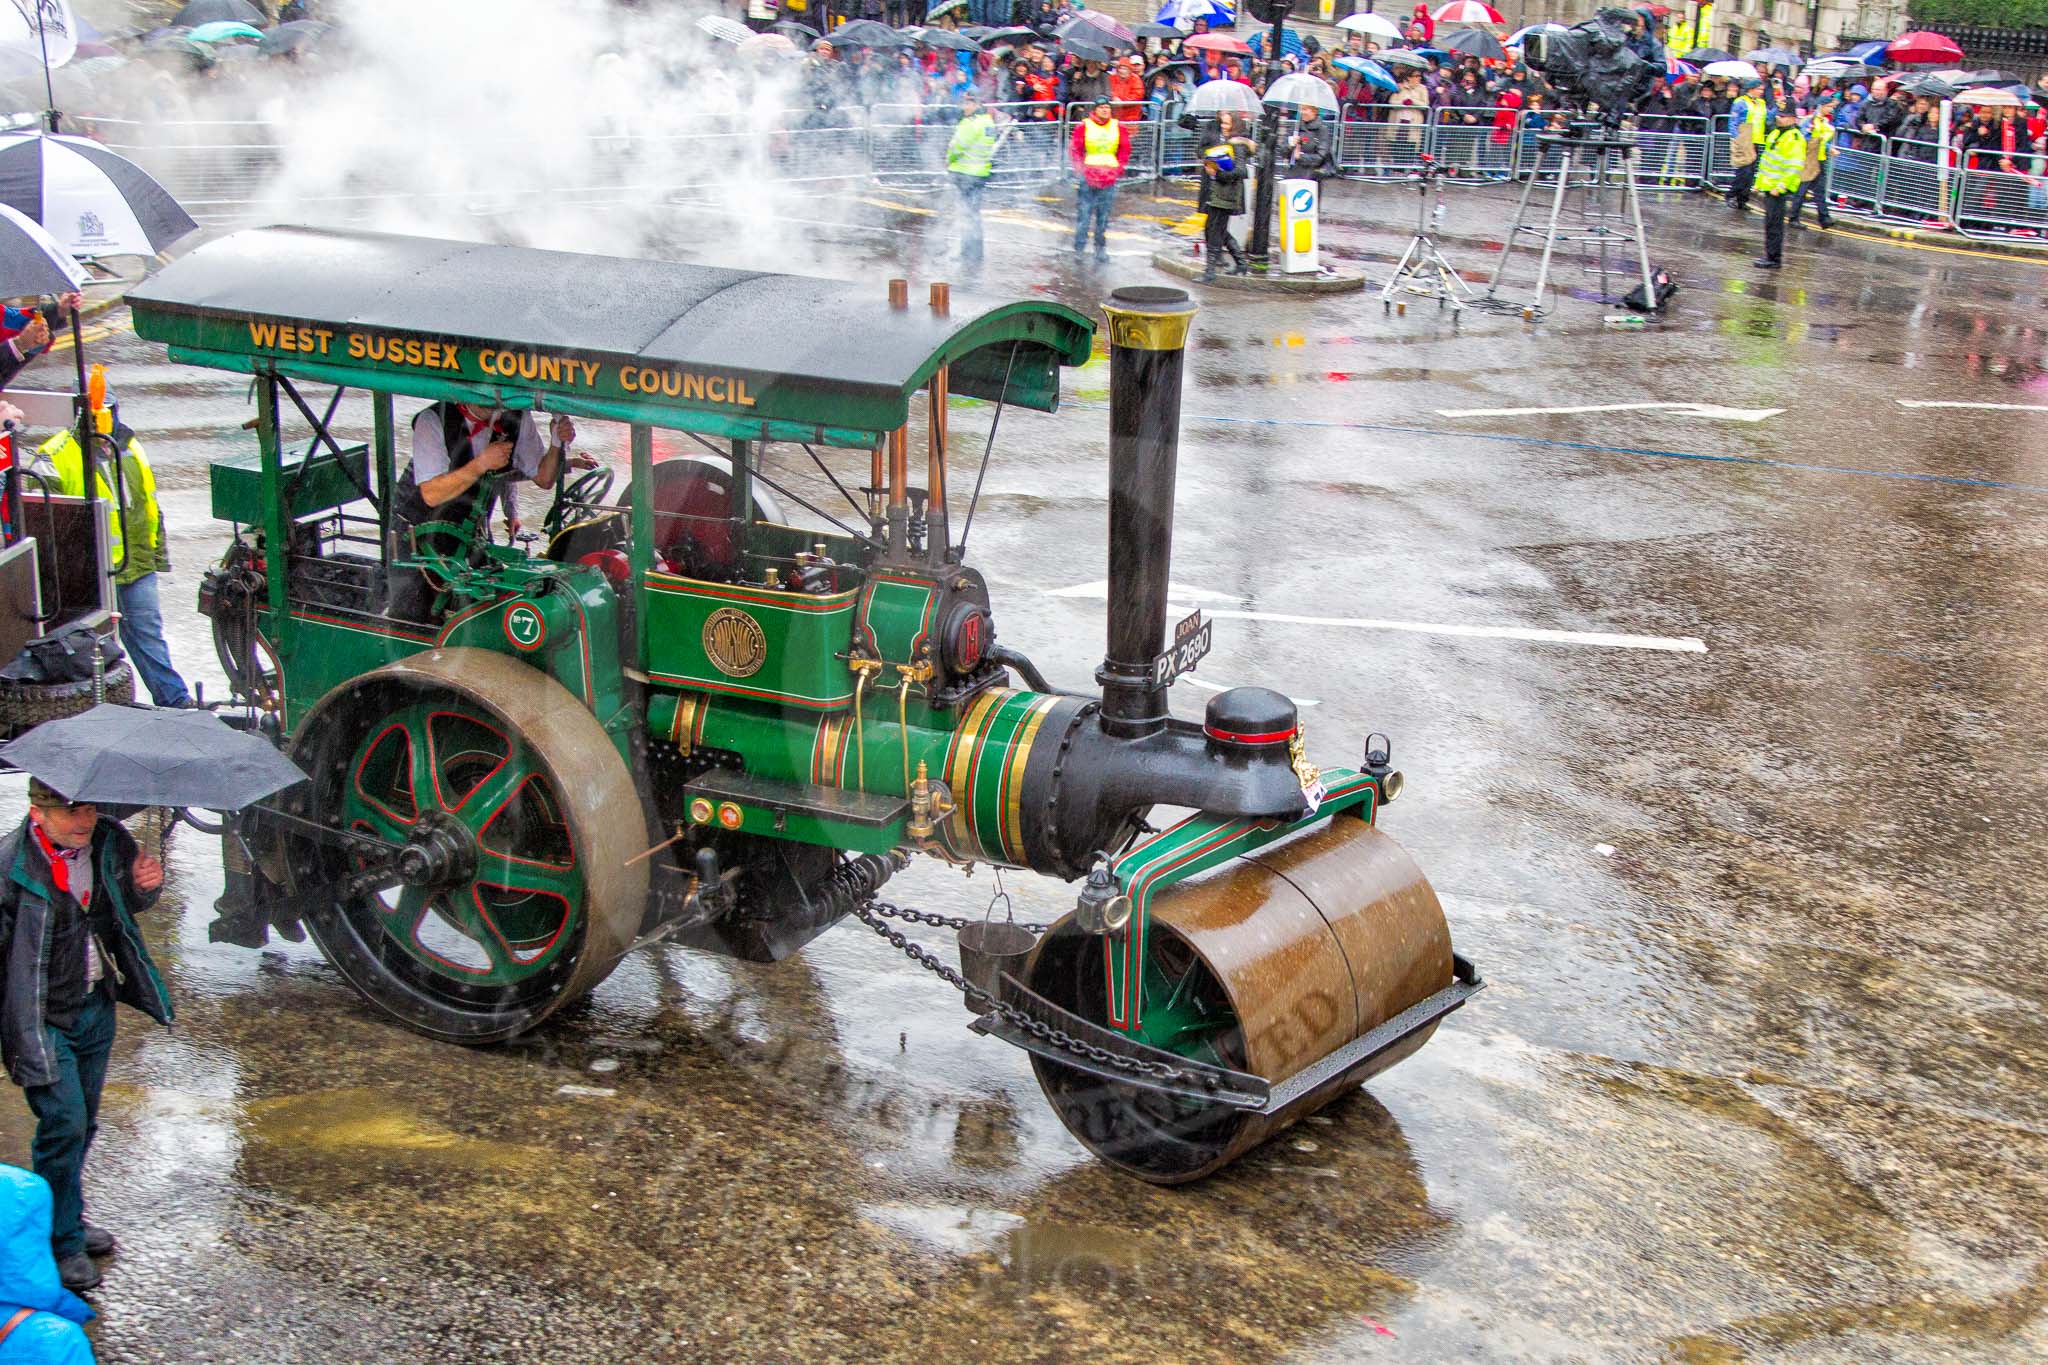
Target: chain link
{"type": "Point", "coordinates": [872, 913]}
{"type": "Point", "coordinates": [954, 922]}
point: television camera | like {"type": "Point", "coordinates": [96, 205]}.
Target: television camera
{"type": "Point", "coordinates": [1591, 65]}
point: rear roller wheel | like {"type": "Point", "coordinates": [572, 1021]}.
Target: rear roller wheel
{"type": "Point", "coordinates": [507, 820]}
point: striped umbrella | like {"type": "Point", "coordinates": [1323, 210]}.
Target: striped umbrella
{"type": "Point", "coordinates": [1183, 13]}
{"type": "Point", "coordinates": [93, 202]}
{"type": "Point", "coordinates": [1467, 12]}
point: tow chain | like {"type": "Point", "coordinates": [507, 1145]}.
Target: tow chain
{"type": "Point", "coordinates": [873, 914]}
{"type": "Point", "coordinates": [954, 922]}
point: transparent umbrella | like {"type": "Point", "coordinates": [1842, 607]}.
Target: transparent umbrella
{"type": "Point", "coordinates": [1216, 97]}
{"type": "Point", "coordinates": [1301, 88]}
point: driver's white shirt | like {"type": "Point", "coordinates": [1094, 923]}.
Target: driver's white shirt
{"type": "Point", "coordinates": [430, 452]}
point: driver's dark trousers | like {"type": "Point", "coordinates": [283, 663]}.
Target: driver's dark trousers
{"type": "Point", "coordinates": [407, 593]}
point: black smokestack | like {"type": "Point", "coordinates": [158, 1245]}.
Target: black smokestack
{"type": "Point", "coordinates": [1148, 334]}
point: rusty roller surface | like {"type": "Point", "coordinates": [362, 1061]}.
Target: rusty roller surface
{"type": "Point", "coordinates": [1267, 965]}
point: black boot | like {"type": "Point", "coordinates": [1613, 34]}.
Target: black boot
{"type": "Point", "coordinates": [1239, 266]}
{"type": "Point", "coordinates": [98, 1241]}
{"type": "Point", "coordinates": [77, 1272]}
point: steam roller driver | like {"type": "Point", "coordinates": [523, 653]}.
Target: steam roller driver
{"type": "Point", "coordinates": [454, 445]}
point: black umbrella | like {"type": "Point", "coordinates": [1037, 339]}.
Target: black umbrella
{"type": "Point", "coordinates": [866, 33]}
{"type": "Point", "coordinates": [1009, 35]}
{"type": "Point", "coordinates": [1700, 56]}
{"type": "Point", "coordinates": [1399, 56]}
{"type": "Point", "coordinates": [293, 36]}
{"type": "Point", "coordinates": [31, 262]}
{"type": "Point", "coordinates": [1929, 88]}
{"type": "Point", "coordinates": [1167, 31]}
{"type": "Point", "coordinates": [946, 40]}
{"type": "Point", "coordinates": [805, 32]}
{"type": "Point", "coordinates": [1087, 43]}
{"type": "Point", "coordinates": [135, 756]}
{"type": "Point", "coordinates": [1772, 56]}
{"type": "Point", "coordinates": [1473, 42]}
{"type": "Point", "coordinates": [220, 12]}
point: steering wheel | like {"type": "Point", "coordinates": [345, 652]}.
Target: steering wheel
{"type": "Point", "coordinates": [579, 499]}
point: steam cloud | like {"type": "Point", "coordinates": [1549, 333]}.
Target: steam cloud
{"type": "Point", "coordinates": [581, 126]}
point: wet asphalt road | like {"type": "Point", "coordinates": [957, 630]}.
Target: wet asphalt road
{"type": "Point", "coordinates": [1758, 1073]}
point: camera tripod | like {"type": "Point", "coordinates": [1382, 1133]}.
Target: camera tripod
{"type": "Point", "coordinates": [1601, 159]}
{"type": "Point", "coordinates": [1423, 269]}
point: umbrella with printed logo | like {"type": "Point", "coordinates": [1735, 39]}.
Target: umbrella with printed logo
{"type": "Point", "coordinates": [92, 201]}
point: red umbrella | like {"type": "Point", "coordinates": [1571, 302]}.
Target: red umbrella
{"type": "Point", "coordinates": [1916, 48]}
{"type": "Point", "coordinates": [1217, 42]}
{"type": "Point", "coordinates": [1467, 12]}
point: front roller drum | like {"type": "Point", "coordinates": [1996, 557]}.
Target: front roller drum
{"type": "Point", "coordinates": [1266, 965]}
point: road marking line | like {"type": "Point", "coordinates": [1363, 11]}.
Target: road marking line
{"type": "Point", "coordinates": [1184, 597]}
{"type": "Point", "coordinates": [1225, 687]}
{"type": "Point", "coordinates": [1893, 239]}
{"type": "Point", "coordinates": [1708, 410]}
{"type": "Point", "coordinates": [1602, 639]}
{"type": "Point", "coordinates": [1175, 592]}
{"type": "Point", "coordinates": [1986, 407]}
{"type": "Point", "coordinates": [63, 341]}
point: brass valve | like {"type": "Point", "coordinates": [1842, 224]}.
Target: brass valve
{"type": "Point", "coordinates": [930, 803]}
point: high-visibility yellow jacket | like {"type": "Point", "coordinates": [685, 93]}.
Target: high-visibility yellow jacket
{"type": "Point", "coordinates": [147, 551]}
{"type": "Point", "coordinates": [1820, 145]}
{"type": "Point", "coordinates": [1783, 159]}
{"type": "Point", "coordinates": [973, 148]}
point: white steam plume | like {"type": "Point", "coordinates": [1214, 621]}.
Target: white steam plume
{"type": "Point", "coordinates": [580, 126]}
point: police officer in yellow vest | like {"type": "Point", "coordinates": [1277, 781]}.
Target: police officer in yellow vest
{"type": "Point", "coordinates": [970, 160]}
{"type": "Point", "coordinates": [136, 541]}
{"type": "Point", "coordinates": [1820, 151]}
{"type": "Point", "coordinates": [1746, 128]}
{"type": "Point", "coordinates": [1780, 161]}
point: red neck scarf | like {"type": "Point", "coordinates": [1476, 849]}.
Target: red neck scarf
{"type": "Point", "coordinates": [60, 866]}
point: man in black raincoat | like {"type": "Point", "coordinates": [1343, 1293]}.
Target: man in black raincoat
{"type": "Point", "coordinates": [70, 884]}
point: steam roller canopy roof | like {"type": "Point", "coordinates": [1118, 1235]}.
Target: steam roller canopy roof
{"type": "Point", "coordinates": [727, 352]}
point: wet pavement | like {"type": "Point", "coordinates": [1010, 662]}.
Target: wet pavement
{"type": "Point", "coordinates": [1721, 742]}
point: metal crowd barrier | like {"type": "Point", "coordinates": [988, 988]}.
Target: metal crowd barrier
{"type": "Point", "coordinates": [1910, 191]}
{"type": "Point", "coordinates": [224, 172]}
{"type": "Point", "coordinates": [1992, 202]}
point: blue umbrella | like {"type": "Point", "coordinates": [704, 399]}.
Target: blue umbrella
{"type": "Point", "coordinates": [1183, 13]}
{"type": "Point", "coordinates": [1373, 73]}
{"type": "Point", "coordinates": [1870, 54]}
{"type": "Point", "coordinates": [1437, 53]}
{"type": "Point", "coordinates": [1290, 43]}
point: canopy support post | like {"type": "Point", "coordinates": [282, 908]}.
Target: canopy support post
{"type": "Point", "coordinates": [742, 495]}
{"type": "Point", "coordinates": [276, 525]}
{"type": "Point", "coordinates": [383, 451]}
{"type": "Point", "coordinates": [938, 534]}
{"type": "Point", "coordinates": [642, 548]}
